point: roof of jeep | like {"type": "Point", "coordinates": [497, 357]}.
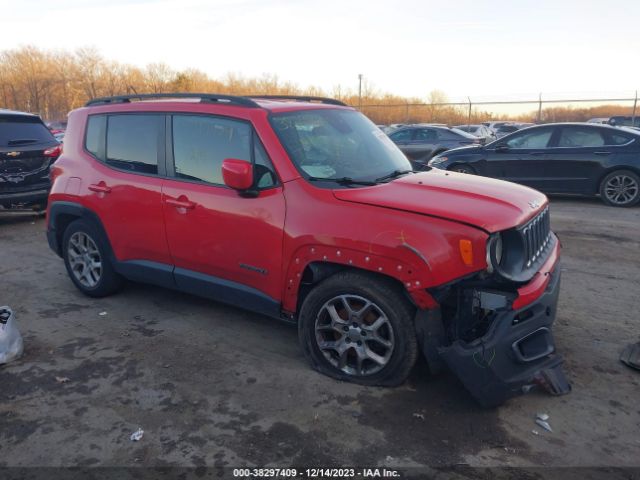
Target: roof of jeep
{"type": "Point", "coordinates": [280, 105]}
{"type": "Point", "coordinates": [268, 102]}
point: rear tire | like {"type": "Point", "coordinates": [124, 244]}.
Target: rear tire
{"type": "Point", "coordinates": [86, 257]}
{"type": "Point", "coordinates": [358, 327]}
{"type": "Point", "coordinates": [620, 189]}
{"type": "Point", "coordinates": [462, 169]}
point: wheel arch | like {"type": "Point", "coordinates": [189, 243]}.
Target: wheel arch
{"type": "Point", "coordinates": [313, 264]}
{"type": "Point", "coordinates": [60, 216]}
{"type": "Point", "coordinates": [612, 169]}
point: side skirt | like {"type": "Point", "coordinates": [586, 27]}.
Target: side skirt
{"type": "Point", "coordinates": [200, 284]}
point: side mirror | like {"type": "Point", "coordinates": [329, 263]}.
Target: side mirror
{"type": "Point", "coordinates": [237, 174]}
{"type": "Point", "coordinates": [502, 148]}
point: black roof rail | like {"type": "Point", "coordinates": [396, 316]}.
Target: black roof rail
{"type": "Point", "coordinates": [204, 98]}
{"type": "Point", "coordinates": [301, 98]}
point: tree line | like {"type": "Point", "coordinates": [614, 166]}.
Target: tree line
{"type": "Point", "coordinates": [51, 83]}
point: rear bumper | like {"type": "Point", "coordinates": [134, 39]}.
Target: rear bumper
{"type": "Point", "coordinates": [36, 195]}
{"type": "Point", "coordinates": [517, 352]}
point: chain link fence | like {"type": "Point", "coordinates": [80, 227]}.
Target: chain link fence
{"type": "Point", "coordinates": [540, 110]}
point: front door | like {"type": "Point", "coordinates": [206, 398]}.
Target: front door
{"type": "Point", "coordinates": [521, 157]}
{"type": "Point", "coordinates": [223, 245]}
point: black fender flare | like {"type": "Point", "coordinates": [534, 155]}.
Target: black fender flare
{"type": "Point", "coordinates": [61, 214]}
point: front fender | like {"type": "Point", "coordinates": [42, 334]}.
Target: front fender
{"type": "Point", "coordinates": [408, 267]}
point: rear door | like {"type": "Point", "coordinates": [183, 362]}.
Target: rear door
{"type": "Point", "coordinates": [124, 187]}
{"type": "Point", "coordinates": [422, 145]}
{"type": "Point", "coordinates": [224, 245]}
{"type": "Point", "coordinates": [402, 138]}
{"type": "Point", "coordinates": [576, 158]}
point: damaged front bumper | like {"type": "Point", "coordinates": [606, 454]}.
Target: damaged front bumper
{"type": "Point", "coordinates": [515, 349]}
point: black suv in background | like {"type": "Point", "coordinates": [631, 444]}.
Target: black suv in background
{"type": "Point", "coordinates": [27, 150]}
{"type": "Point", "coordinates": [566, 158]}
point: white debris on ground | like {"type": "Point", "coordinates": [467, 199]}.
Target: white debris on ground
{"type": "Point", "coordinates": [137, 435]}
{"type": "Point", "coordinates": [542, 420]}
{"type": "Point", "coordinates": [11, 345]}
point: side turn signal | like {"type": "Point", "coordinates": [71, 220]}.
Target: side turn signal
{"type": "Point", "coordinates": [466, 252]}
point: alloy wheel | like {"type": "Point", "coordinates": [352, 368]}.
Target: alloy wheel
{"type": "Point", "coordinates": [84, 259]}
{"type": "Point", "coordinates": [621, 189]}
{"type": "Point", "coordinates": [354, 335]}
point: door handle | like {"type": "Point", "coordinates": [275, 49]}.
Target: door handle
{"type": "Point", "coordinates": [602, 153]}
{"type": "Point", "coordinates": [537, 154]}
{"type": "Point", "coordinates": [181, 202]}
{"type": "Point", "coordinates": [100, 187]}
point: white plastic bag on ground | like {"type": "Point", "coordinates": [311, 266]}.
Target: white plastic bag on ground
{"type": "Point", "coordinates": [10, 338]}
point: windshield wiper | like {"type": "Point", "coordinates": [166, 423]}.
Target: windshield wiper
{"type": "Point", "coordinates": [392, 175]}
{"type": "Point", "coordinates": [343, 181]}
{"type": "Point", "coordinates": [21, 141]}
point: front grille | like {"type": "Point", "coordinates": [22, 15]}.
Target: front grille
{"type": "Point", "coordinates": [536, 235]}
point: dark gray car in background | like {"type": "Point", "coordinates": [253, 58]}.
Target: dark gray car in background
{"type": "Point", "coordinates": [422, 142]}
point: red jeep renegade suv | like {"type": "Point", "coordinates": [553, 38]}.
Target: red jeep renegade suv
{"type": "Point", "coordinates": [302, 209]}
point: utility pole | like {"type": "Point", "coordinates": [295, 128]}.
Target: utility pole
{"type": "Point", "coordinates": [635, 104]}
{"type": "Point", "coordinates": [359, 91]}
{"type": "Point", "coordinates": [469, 120]}
{"type": "Point", "coordinates": [539, 108]}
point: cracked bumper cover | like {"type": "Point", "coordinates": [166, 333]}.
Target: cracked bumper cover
{"type": "Point", "coordinates": [517, 352]}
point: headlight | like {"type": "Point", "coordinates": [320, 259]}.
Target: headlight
{"type": "Point", "coordinates": [494, 251]}
{"type": "Point", "coordinates": [436, 160]}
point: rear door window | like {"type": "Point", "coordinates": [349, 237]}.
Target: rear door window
{"type": "Point", "coordinates": [18, 130]}
{"type": "Point", "coordinates": [425, 135]}
{"type": "Point", "coordinates": [581, 137]}
{"type": "Point", "coordinates": [402, 136]}
{"type": "Point", "coordinates": [133, 142]}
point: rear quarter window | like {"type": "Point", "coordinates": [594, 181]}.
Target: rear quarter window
{"type": "Point", "coordinates": [618, 139]}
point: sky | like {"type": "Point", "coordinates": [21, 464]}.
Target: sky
{"type": "Point", "coordinates": [488, 50]}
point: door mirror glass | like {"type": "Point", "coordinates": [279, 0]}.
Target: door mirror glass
{"type": "Point", "coordinates": [237, 174]}
{"type": "Point", "coordinates": [502, 147]}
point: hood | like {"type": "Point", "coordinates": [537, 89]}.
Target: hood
{"type": "Point", "coordinates": [486, 203]}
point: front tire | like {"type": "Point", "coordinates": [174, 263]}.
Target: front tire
{"type": "Point", "coordinates": [358, 327]}
{"type": "Point", "coordinates": [86, 257]}
{"type": "Point", "coordinates": [620, 188]}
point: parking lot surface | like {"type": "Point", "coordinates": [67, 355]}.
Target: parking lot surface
{"type": "Point", "coordinates": [214, 385]}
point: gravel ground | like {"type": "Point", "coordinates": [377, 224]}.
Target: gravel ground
{"type": "Point", "coordinates": [213, 385]}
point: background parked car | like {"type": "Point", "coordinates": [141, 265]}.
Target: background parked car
{"type": "Point", "coordinates": [420, 143]}
{"type": "Point", "coordinates": [598, 120]}
{"type": "Point", "coordinates": [573, 158]}
{"type": "Point", "coordinates": [506, 129]}
{"type": "Point", "coordinates": [622, 121]}
{"type": "Point", "coordinates": [27, 150]}
{"type": "Point", "coordinates": [494, 124]}
{"type": "Point", "coordinates": [482, 132]}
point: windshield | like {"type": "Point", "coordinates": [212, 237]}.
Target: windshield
{"type": "Point", "coordinates": [338, 144]}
